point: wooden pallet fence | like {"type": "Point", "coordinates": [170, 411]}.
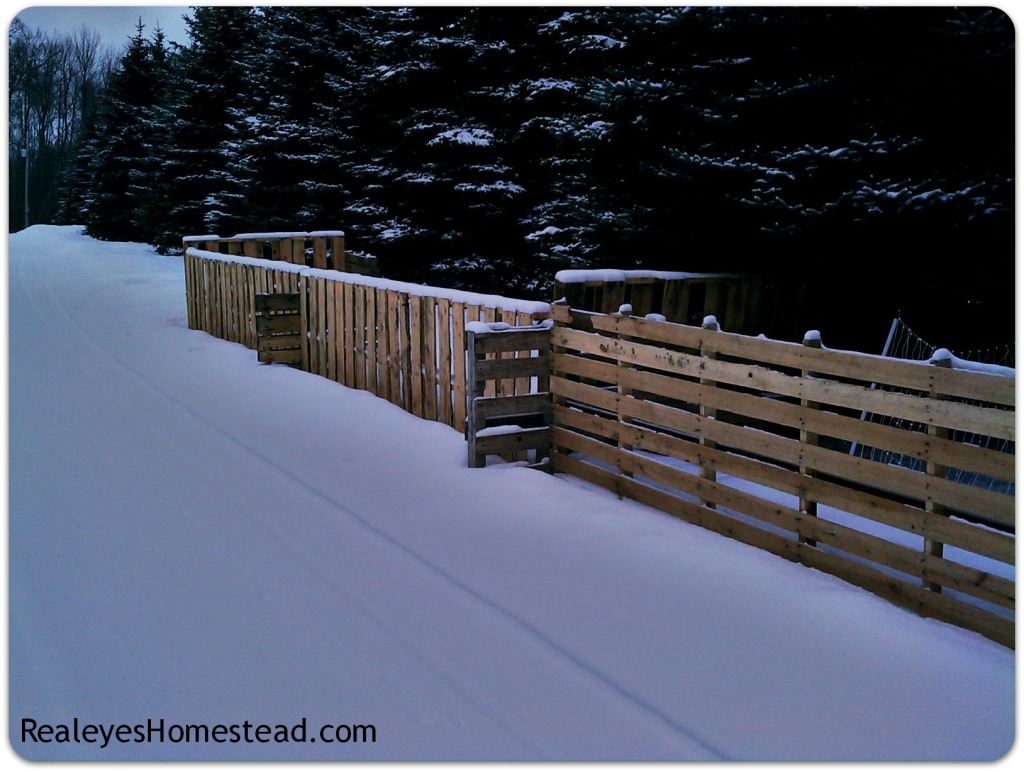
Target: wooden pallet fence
{"type": "Point", "coordinates": [391, 339]}
{"type": "Point", "coordinates": [315, 249]}
{"type": "Point", "coordinates": [662, 412]}
{"type": "Point", "coordinates": [278, 328]}
{"type": "Point", "coordinates": [508, 424]}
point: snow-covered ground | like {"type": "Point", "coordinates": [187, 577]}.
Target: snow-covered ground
{"type": "Point", "coordinates": [200, 539]}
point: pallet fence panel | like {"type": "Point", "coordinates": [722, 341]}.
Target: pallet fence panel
{"type": "Point", "coordinates": [668, 407]}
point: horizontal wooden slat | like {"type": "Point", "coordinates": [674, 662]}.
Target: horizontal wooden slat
{"type": "Point", "coordinates": [279, 323]}
{"type": "Point", "coordinates": [277, 301]}
{"type": "Point", "coordinates": [493, 407]}
{"type": "Point", "coordinates": [585, 368]}
{"type": "Point", "coordinates": [510, 442]}
{"type": "Point", "coordinates": [517, 339]}
{"type": "Point", "coordinates": [497, 369]}
{"type": "Point", "coordinates": [289, 356]}
{"type": "Point", "coordinates": [267, 342]}
{"type": "Point", "coordinates": [580, 392]}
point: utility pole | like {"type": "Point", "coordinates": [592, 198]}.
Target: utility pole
{"type": "Point", "coordinates": [24, 154]}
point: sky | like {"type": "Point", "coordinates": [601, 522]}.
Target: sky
{"type": "Point", "coordinates": [114, 23]}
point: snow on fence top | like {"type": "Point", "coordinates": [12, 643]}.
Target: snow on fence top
{"type": "Point", "coordinates": [576, 276]}
{"type": "Point", "coordinates": [419, 290]}
{"type": "Point", "coordinates": [274, 235]}
{"type": "Point", "coordinates": [966, 364]}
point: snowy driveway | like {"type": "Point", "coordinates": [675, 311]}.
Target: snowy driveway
{"type": "Point", "coordinates": [197, 538]}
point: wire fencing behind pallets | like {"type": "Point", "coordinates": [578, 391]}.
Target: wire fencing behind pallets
{"type": "Point", "coordinates": [904, 343]}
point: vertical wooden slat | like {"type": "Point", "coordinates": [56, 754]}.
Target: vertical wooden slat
{"type": "Point", "coordinates": [932, 546]}
{"type": "Point", "coordinates": [444, 359]}
{"type": "Point", "coordinates": [207, 289]}
{"type": "Point", "coordinates": [459, 367]}
{"type": "Point", "coordinates": [225, 299]}
{"type": "Point", "coordinates": [275, 249]}
{"type": "Point", "coordinates": [322, 306]}
{"type": "Point", "coordinates": [338, 252]}
{"type": "Point", "coordinates": [222, 305]}
{"type": "Point", "coordinates": [404, 325]}
{"type": "Point", "coordinates": [490, 315]}
{"type": "Point", "coordinates": [189, 293]}
{"type": "Point", "coordinates": [254, 273]}
{"type": "Point", "coordinates": [371, 340]}
{"type": "Point", "coordinates": [339, 331]}
{"type": "Point", "coordinates": [304, 323]}
{"type": "Point", "coordinates": [428, 320]}
{"type": "Point", "coordinates": [383, 350]}
{"type": "Point", "coordinates": [394, 349]}
{"type": "Point", "coordinates": [359, 333]}
{"type": "Point", "coordinates": [332, 331]}
{"type": "Point", "coordinates": [416, 354]}
{"type": "Point", "coordinates": [319, 251]}
{"type": "Point", "coordinates": [314, 326]}
{"type": "Point", "coordinates": [508, 385]}
{"type": "Point", "coordinates": [523, 385]}
{"type": "Point", "coordinates": [348, 320]}
{"type": "Point", "coordinates": [229, 303]}
{"type": "Point", "coordinates": [250, 247]}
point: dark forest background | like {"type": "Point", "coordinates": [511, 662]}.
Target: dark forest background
{"type": "Point", "coordinates": [870, 150]}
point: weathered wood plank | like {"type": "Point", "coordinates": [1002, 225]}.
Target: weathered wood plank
{"type": "Point", "coordinates": [416, 354]}
{"type": "Point", "coordinates": [383, 349]}
{"type": "Point", "coordinates": [371, 340]}
{"type": "Point", "coordinates": [459, 407]}
{"type": "Point", "coordinates": [428, 322]}
{"type": "Point", "coordinates": [444, 361]}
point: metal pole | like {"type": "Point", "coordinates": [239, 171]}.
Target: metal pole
{"type": "Point", "coordinates": [25, 152]}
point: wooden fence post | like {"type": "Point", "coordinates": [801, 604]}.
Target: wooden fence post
{"type": "Point", "coordinates": [941, 358]}
{"type": "Point", "coordinates": [707, 413]}
{"type": "Point", "coordinates": [624, 311]}
{"type": "Point", "coordinates": [812, 339]}
{"type": "Point", "coordinates": [475, 386]}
